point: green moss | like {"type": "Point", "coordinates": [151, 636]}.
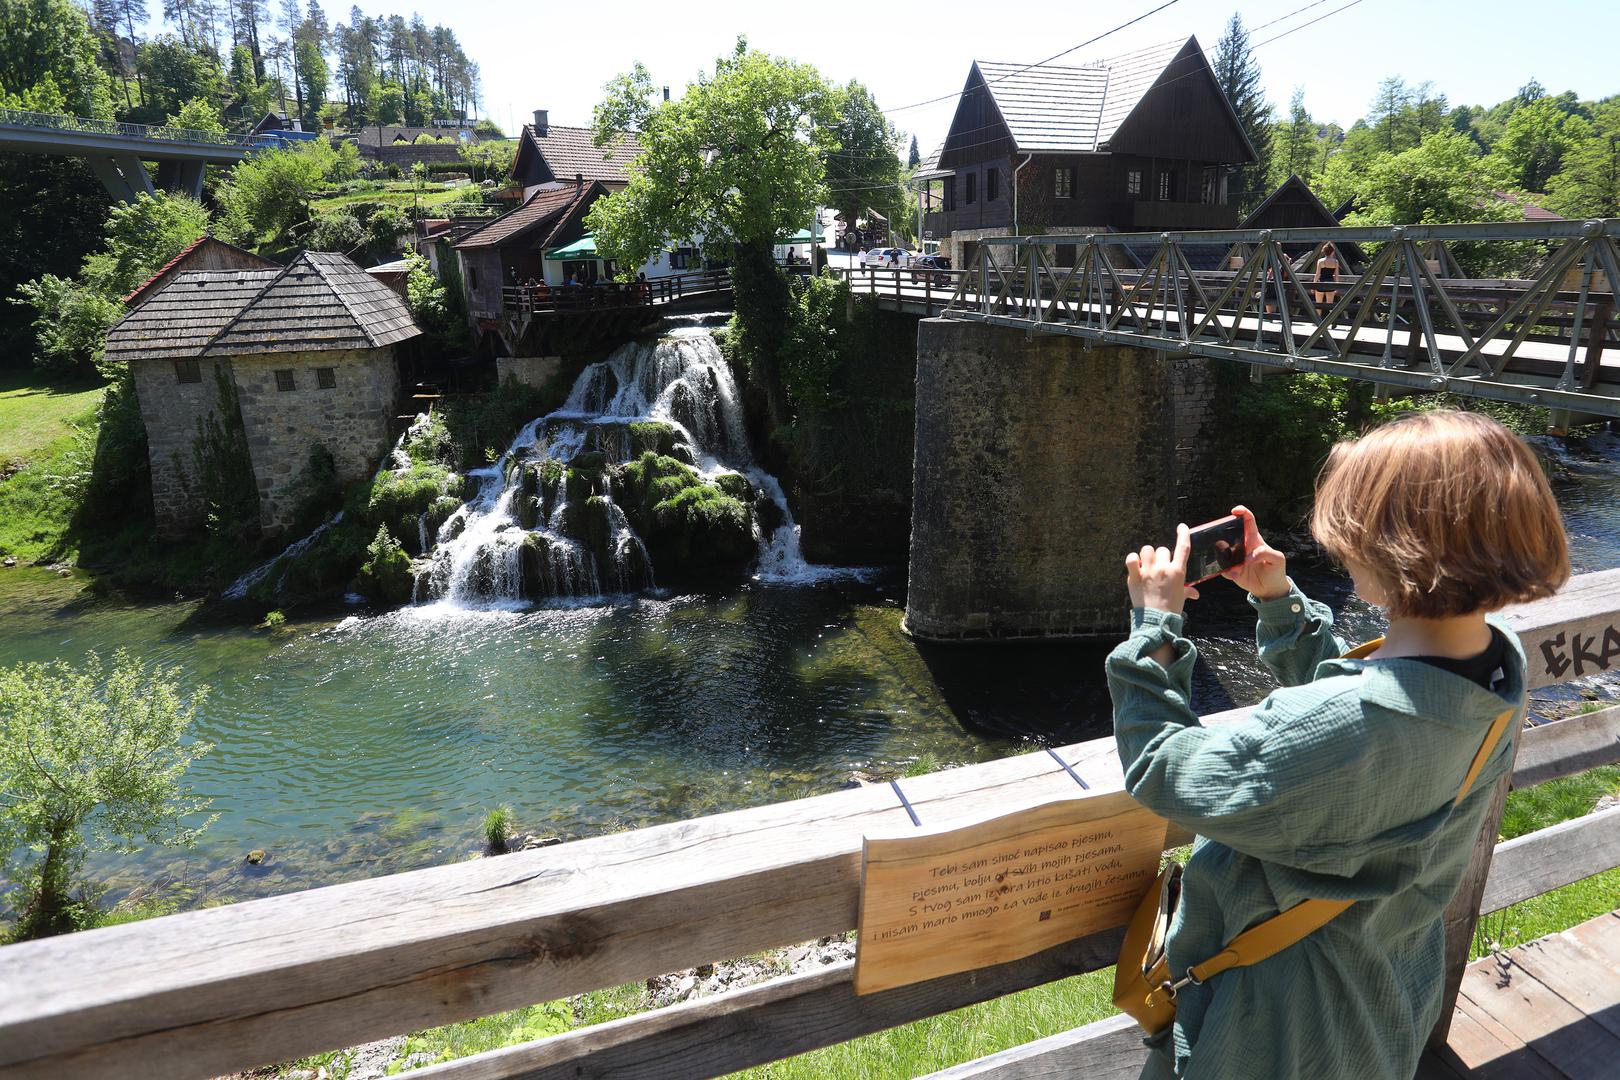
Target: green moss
{"type": "Point", "coordinates": [735, 485]}
{"type": "Point", "coordinates": [651, 436]}
{"type": "Point", "coordinates": [397, 499]}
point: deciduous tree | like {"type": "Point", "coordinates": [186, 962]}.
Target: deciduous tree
{"type": "Point", "coordinates": [91, 758]}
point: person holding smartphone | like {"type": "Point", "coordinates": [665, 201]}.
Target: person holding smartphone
{"type": "Point", "coordinates": [1342, 784]}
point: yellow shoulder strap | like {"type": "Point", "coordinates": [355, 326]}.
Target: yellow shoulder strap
{"type": "Point", "coordinates": [1364, 650]}
{"type": "Point", "coordinates": [1283, 929]}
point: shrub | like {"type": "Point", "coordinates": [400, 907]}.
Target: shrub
{"type": "Point", "coordinates": [385, 576]}
{"type": "Point", "coordinates": [498, 825]}
{"type": "Point", "coordinates": [90, 758]}
{"type": "Point", "coordinates": [273, 620]}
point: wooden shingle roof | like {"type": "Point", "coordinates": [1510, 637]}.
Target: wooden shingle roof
{"type": "Point", "coordinates": [541, 213]}
{"type": "Point", "coordinates": [572, 151]}
{"type": "Point", "coordinates": [322, 301]}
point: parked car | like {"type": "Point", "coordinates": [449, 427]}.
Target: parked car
{"type": "Point", "coordinates": [931, 268]}
{"type": "Point", "coordinates": [887, 257]}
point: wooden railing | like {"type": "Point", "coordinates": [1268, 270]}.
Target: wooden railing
{"type": "Point", "coordinates": [917, 290]}
{"type": "Point", "coordinates": [212, 991]}
{"type": "Point", "coordinates": [524, 300]}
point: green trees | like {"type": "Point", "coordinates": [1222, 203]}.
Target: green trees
{"type": "Point", "coordinates": [1588, 185]}
{"type": "Point", "coordinates": [267, 196]}
{"type": "Point", "coordinates": [1238, 74]}
{"type": "Point", "coordinates": [49, 59]}
{"type": "Point", "coordinates": [91, 758]}
{"type": "Point", "coordinates": [71, 317]}
{"type": "Point", "coordinates": [864, 170]}
{"type": "Point", "coordinates": [1532, 147]}
{"type": "Point", "coordinates": [739, 160]}
{"type": "Point", "coordinates": [1295, 142]}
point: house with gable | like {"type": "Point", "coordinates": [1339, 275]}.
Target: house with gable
{"type": "Point", "coordinates": [1144, 141]}
{"type": "Point", "coordinates": [281, 362]}
{"type": "Point", "coordinates": [552, 156]}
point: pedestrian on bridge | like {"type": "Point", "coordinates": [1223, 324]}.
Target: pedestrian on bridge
{"type": "Point", "coordinates": [1340, 790]}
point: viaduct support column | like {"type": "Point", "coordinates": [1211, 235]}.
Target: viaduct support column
{"type": "Point", "coordinates": [1039, 464]}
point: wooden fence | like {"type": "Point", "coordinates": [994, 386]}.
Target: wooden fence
{"type": "Point", "coordinates": [222, 989]}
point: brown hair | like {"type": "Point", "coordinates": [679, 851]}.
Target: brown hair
{"type": "Point", "coordinates": [1449, 510]}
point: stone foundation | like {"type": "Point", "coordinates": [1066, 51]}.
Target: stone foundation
{"type": "Point", "coordinates": [1039, 464]}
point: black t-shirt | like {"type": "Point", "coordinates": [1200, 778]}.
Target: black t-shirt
{"type": "Point", "coordinates": [1481, 669]}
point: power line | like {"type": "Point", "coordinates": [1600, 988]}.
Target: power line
{"type": "Point", "coordinates": [1048, 60]}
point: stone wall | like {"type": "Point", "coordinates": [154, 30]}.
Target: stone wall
{"type": "Point", "coordinates": [534, 371]}
{"type": "Point", "coordinates": [351, 419]}
{"type": "Point", "coordinates": [1039, 464]}
{"type": "Point", "coordinates": [173, 412]}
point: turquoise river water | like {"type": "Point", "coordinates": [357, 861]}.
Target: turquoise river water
{"type": "Point", "coordinates": [353, 745]}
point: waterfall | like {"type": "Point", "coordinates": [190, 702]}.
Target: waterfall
{"type": "Point", "coordinates": [543, 521]}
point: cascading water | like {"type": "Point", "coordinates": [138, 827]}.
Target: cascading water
{"type": "Point", "coordinates": [546, 520]}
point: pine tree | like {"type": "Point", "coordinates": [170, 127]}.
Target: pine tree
{"type": "Point", "coordinates": [1239, 77]}
{"type": "Point", "coordinates": [914, 158]}
{"type": "Point", "coordinates": [1298, 139]}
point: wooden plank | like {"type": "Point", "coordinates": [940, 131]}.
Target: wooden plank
{"type": "Point", "coordinates": [1577, 975]}
{"type": "Point", "coordinates": [1106, 1050]}
{"type": "Point", "coordinates": [1567, 747]}
{"type": "Point", "coordinates": [1549, 858]}
{"type": "Point", "coordinates": [763, 1023]}
{"type": "Point", "coordinates": [1601, 936]}
{"type": "Point", "coordinates": [188, 995]}
{"type": "Point", "coordinates": [1482, 1049]}
{"type": "Point", "coordinates": [223, 989]}
{"type": "Point", "coordinates": [1540, 1019]}
{"type": "Point", "coordinates": [1573, 634]}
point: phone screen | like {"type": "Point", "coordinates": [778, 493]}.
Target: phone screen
{"type": "Point", "coordinates": [1216, 547]}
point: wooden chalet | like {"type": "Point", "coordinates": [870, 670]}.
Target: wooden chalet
{"type": "Point", "coordinates": [1140, 142]}
{"type": "Point", "coordinates": [511, 250]}
{"type": "Point", "coordinates": [552, 156]}
{"type": "Point", "coordinates": [204, 253]}
{"type": "Point", "coordinates": [1293, 205]}
{"type": "Point", "coordinates": [297, 359]}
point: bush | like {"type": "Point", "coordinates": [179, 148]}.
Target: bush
{"type": "Point", "coordinates": [336, 231]}
{"type": "Point", "coordinates": [385, 576]}
{"type": "Point", "coordinates": [90, 758]}
{"type": "Point", "coordinates": [70, 322]}
{"type": "Point", "coordinates": [498, 829]}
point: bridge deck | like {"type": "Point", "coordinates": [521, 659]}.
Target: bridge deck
{"type": "Point", "coordinates": [1549, 1008]}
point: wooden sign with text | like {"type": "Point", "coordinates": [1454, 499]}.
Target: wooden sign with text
{"type": "Point", "coordinates": [955, 898]}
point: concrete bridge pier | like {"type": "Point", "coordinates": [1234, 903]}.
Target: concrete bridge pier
{"type": "Point", "coordinates": [1040, 461]}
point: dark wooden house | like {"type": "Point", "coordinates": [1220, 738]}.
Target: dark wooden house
{"type": "Point", "coordinates": [204, 253]}
{"type": "Point", "coordinates": [1140, 142]}
{"type": "Point", "coordinates": [511, 249]}
{"type": "Point", "coordinates": [1295, 206]}
{"type": "Point", "coordinates": [552, 156]}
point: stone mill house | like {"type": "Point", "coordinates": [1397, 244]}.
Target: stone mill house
{"type": "Point", "coordinates": [281, 360]}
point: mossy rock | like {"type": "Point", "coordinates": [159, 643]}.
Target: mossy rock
{"type": "Point", "coordinates": [736, 485]}
{"type": "Point", "coordinates": [385, 577]}
{"type": "Point", "coordinates": [579, 485]}
{"type": "Point", "coordinates": [768, 514]}
{"type": "Point", "coordinates": [588, 461]}
{"type": "Point", "coordinates": [652, 436]}
{"type": "Point", "coordinates": [683, 454]}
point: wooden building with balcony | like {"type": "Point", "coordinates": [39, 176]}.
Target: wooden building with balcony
{"type": "Point", "coordinates": [1139, 142]}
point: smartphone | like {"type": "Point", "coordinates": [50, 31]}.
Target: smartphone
{"type": "Point", "coordinates": [1217, 546]}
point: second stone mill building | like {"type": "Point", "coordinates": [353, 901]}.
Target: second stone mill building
{"type": "Point", "coordinates": [281, 360]}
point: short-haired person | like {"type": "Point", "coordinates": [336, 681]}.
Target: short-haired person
{"type": "Point", "coordinates": [1341, 784]}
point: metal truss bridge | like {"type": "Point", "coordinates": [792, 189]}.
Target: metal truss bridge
{"type": "Point", "coordinates": [1398, 312]}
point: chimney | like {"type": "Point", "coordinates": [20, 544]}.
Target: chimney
{"type": "Point", "coordinates": [579, 180]}
{"type": "Point", "coordinates": [666, 93]}
{"type": "Point", "coordinates": [541, 125]}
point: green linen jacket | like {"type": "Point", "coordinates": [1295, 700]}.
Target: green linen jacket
{"type": "Point", "coordinates": [1339, 785]}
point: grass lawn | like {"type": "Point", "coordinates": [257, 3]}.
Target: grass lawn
{"type": "Point", "coordinates": [36, 411]}
{"type": "Point", "coordinates": [401, 195]}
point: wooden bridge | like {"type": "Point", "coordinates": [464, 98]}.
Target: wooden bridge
{"type": "Point", "coordinates": [222, 989]}
{"type": "Point", "coordinates": [1407, 322]}
{"type": "Point", "coordinates": [118, 152]}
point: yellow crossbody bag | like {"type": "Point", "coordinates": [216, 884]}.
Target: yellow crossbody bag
{"type": "Point", "coordinates": [1143, 987]}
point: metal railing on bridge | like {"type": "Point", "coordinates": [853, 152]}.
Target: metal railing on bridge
{"type": "Point", "coordinates": [86, 125]}
{"type": "Point", "coordinates": [228, 988]}
{"type": "Point", "coordinates": [1409, 320]}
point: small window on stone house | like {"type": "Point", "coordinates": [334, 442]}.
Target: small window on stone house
{"type": "Point", "coordinates": [326, 378]}
{"type": "Point", "coordinates": [187, 371]}
{"type": "Point", "coordinates": [992, 185]}
{"type": "Point", "coordinates": [284, 379]}
{"type": "Point", "coordinates": [1065, 183]}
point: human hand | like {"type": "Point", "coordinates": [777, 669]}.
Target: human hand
{"type": "Point", "coordinates": [1264, 571]}
{"type": "Point", "coordinates": [1157, 578]}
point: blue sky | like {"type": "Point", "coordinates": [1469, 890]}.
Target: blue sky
{"type": "Point", "coordinates": [556, 55]}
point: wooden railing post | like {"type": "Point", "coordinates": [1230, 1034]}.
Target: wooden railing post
{"type": "Point", "coordinates": [1462, 914]}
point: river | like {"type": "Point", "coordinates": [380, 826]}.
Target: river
{"type": "Point", "coordinates": [351, 745]}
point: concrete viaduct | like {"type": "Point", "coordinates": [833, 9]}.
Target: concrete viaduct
{"type": "Point", "coordinates": [118, 152]}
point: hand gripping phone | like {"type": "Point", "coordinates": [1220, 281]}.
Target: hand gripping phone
{"type": "Point", "coordinates": [1217, 546]}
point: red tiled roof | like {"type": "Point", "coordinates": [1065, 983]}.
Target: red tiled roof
{"type": "Point", "coordinates": [572, 151]}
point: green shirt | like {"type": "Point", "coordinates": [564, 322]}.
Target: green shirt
{"type": "Point", "coordinates": [1339, 785]}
